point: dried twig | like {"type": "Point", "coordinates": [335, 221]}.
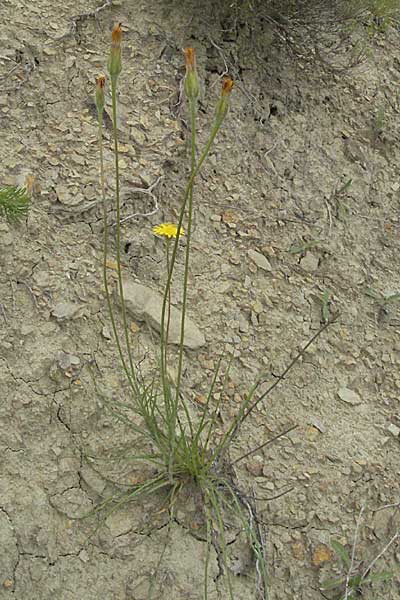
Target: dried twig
{"type": "Point", "coordinates": [394, 505]}
{"type": "Point", "coordinates": [83, 17]}
{"type": "Point", "coordinates": [353, 553]}
{"type": "Point", "coordinates": [148, 191]}
{"type": "Point", "coordinates": [226, 70]}
{"type": "Point", "coordinates": [276, 437]}
{"type": "Point", "coordinates": [381, 553]}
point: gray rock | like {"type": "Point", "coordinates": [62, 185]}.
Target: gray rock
{"type": "Point", "coordinates": [310, 262]}
{"type": "Point", "coordinates": [244, 326]}
{"type": "Point", "coordinates": [65, 310]}
{"type": "Point", "coordinates": [349, 396]}
{"type": "Point", "coordinates": [394, 430]}
{"type": "Point", "coordinates": [144, 304]}
{"type": "Point", "coordinates": [260, 260]}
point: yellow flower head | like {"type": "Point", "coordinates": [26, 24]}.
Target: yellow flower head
{"type": "Point", "coordinates": [168, 230]}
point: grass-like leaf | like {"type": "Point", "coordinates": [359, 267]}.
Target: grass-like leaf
{"type": "Point", "coordinates": [342, 552]}
{"type": "Point", "coordinates": [14, 203]}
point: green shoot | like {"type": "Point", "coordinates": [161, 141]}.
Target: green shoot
{"type": "Point", "coordinates": [14, 203]}
{"type": "Point", "coordinates": [304, 247]}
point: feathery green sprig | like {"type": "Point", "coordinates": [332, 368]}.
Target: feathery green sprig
{"type": "Point", "coordinates": [14, 203]}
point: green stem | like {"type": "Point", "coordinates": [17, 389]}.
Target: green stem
{"type": "Point", "coordinates": [118, 228]}
{"type": "Point", "coordinates": [189, 185]}
{"type": "Point", "coordinates": [172, 407]}
{"type": "Point", "coordinates": [105, 253]}
{"type": "Point", "coordinates": [192, 105]}
{"type": "Point", "coordinates": [168, 241]}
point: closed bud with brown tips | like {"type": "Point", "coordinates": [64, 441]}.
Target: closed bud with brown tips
{"type": "Point", "coordinates": [116, 34]}
{"type": "Point", "coordinates": [114, 62]}
{"type": "Point", "coordinates": [223, 104]}
{"type": "Point", "coordinates": [192, 87]}
{"type": "Point", "coordinates": [100, 84]}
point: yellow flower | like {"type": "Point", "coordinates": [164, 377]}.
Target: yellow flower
{"type": "Point", "coordinates": [168, 230]}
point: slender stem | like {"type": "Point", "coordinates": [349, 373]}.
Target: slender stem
{"type": "Point", "coordinates": [181, 215]}
{"type": "Point", "coordinates": [254, 450]}
{"type": "Point", "coordinates": [168, 241]}
{"type": "Point", "coordinates": [105, 253]}
{"type": "Point", "coordinates": [164, 381]}
{"type": "Point", "coordinates": [378, 556]}
{"type": "Point", "coordinates": [288, 368]}
{"type": "Point", "coordinates": [192, 106]}
{"type": "Point", "coordinates": [349, 575]}
{"type": "Point", "coordinates": [118, 228]}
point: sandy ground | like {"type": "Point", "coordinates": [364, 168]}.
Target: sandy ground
{"type": "Point", "coordinates": [281, 237]}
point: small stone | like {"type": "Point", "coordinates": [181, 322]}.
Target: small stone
{"type": "Point", "coordinates": [394, 430]}
{"type": "Point", "coordinates": [257, 307]}
{"type": "Point", "coordinates": [310, 262]}
{"type": "Point", "coordinates": [260, 260]}
{"type": "Point", "coordinates": [215, 218]}
{"type": "Point", "coordinates": [396, 186]}
{"type": "Point", "coordinates": [8, 584]}
{"type": "Point", "coordinates": [317, 424]}
{"type": "Point", "coordinates": [349, 396]}
{"type": "Point", "coordinates": [105, 332]}
{"type": "Point", "coordinates": [83, 556]}
{"type": "Point", "coordinates": [243, 325]}
{"type": "Point", "coordinates": [255, 466]}
{"type": "Point", "coordinates": [65, 310]}
{"type": "Point", "coordinates": [134, 327]}
{"type": "Point", "coordinates": [201, 399]}
{"type": "Point", "coordinates": [63, 360]}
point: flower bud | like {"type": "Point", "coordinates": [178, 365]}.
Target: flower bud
{"type": "Point", "coordinates": [100, 83]}
{"type": "Point", "coordinates": [114, 62]}
{"type": "Point", "coordinates": [223, 104]}
{"type": "Point", "coordinates": [192, 87]}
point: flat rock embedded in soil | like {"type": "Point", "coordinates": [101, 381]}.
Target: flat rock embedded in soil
{"type": "Point", "coordinates": [145, 304]}
{"type": "Point", "coordinates": [260, 260]}
{"type": "Point", "coordinates": [65, 310]}
{"type": "Point", "coordinates": [310, 262]}
{"type": "Point", "coordinates": [349, 396]}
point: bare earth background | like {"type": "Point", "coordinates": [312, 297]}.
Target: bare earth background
{"type": "Point", "coordinates": [296, 134]}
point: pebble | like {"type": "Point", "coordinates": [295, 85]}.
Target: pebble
{"type": "Point", "coordinates": [66, 360]}
{"type": "Point", "coordinates": [65, 310]}
{"type": "Point", "coordinates": [394, 430]}
{"type": "Point", "coordinates": [260, 260]}
{"type": "Point", "coordinates": [105, 332]}
{"type": "Point", "coordinates": [255, 466]}
{"type": "Point", "coordinates": [349, 396]}
{"type": "Point", "coordinates": [317, 424]}
{"type": "Point", "coordinates": [243, 325]}
{"type": "Point", "coordinates": [310, 262]}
